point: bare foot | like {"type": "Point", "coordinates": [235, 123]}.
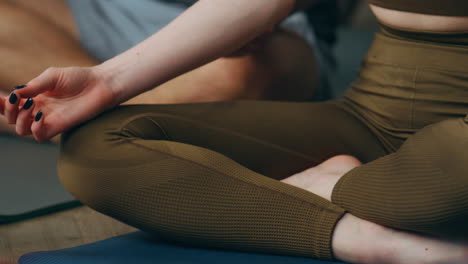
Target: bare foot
{"type": "Point", "coordinates": [359, 241]}
{"type": "Point", "coordinates": [322, 178]}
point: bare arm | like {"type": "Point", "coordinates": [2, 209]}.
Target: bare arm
{"type": "Point", "coordinates": [208, 30]}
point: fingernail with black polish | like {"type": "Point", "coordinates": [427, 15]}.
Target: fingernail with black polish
{"type": "Point", "coordinates": [20, 87]}
{"type": "Point", "coordinates": [38, 116]}
{"type": "Point", "coordinates": [28, 104]}
{"type": "Point", "coordinates": [13, 98]}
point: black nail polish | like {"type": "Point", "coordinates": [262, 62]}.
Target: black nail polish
{"type": "Point", "coordinates": [28, 104]}
{"type": "Point", "coordinates": [20, 87]}
{"type": "Point", "coordinates": [38, 116]}
{"type": "Point", "coordinates": [13, 98]}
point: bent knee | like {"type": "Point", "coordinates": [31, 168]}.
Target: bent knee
{"type": "Point", "coordinates": [437, 160]}
{"type": "Point", "coordinates": [422, 187]}
{"type": "Point", "coordinates": [444, 145]}
{"type": "Point", "coordinates": [94, 156]}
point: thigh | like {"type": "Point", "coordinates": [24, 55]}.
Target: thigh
{"type": "Point", "coordinates": [284, 68]}
{"type": "Point", "coordinates": [276, 139]}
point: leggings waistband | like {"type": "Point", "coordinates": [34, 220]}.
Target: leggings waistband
{"type": "Point", "coordinates": [454, 38]}
{"type": "Point", "coordinates": [423, 54]}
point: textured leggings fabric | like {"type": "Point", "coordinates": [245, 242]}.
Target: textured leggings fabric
{"type": "Point", "coordinates": [208, 174]}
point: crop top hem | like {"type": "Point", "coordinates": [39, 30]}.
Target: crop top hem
{"type": "Point", "coordinates": [429, 7]}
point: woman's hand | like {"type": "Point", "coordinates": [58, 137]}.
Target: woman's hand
{"type": "Point", "coordinates": [57, 100]}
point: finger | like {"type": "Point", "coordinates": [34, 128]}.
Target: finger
{"type": "Point", "coordinates": [2, 106]}
{"type": "Point", "coordinates": [3, 95]}
{"type": "Point", "coordinates": [37, 127]}
{"type": "Point", "coordinates": [40, 129]}
{"type": "Point", "coordinates": [25, 118]}
{"type": "Point", "coordinates": [44, 82]}
{"type": "Point", "coordinates": [11, 108]}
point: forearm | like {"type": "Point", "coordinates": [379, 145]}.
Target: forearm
{"type": "Point", "coordinates": [208, 30]}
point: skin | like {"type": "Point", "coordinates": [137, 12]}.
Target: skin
{"type": "Point", "coordinates": [89, 91]}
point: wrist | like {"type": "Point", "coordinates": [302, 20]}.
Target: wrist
{"type": "Point", "coordinates": [108, 75]}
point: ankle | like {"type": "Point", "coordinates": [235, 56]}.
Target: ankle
{"type": "Point", "coordinates": [360, 241]}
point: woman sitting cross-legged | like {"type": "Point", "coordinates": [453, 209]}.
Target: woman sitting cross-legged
{"type": "Point", "coordinates": [234, 174]}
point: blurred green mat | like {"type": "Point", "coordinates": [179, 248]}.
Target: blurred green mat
{"type": "Point", "coordinates": [29, 186]}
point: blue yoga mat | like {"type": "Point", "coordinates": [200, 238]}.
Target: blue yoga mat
{"type": "Point", "coordinates": [142, 248]}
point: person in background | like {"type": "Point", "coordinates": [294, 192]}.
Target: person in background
{"type": "Point", "coordinates": [36, 35]}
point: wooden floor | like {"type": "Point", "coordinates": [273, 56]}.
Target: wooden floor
{"type": "Point", "coordinates": [57, 231]}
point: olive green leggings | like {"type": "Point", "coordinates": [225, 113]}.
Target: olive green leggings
{"type": "Point", "coordinates": [208, 174]}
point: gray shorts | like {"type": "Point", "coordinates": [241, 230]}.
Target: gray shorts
{"type": "Point", "coordinates": [110, 27]}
